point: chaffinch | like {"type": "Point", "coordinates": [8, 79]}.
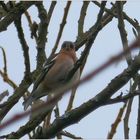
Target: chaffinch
{"type": "Point", "coordinates": [52, 78]}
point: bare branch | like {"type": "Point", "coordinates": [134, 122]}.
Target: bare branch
{"type": "Point", "coordinates": [138, 117]}
{"type": "Point", "coordinates": [125, 16]}
{"type": "Point", "coordinates": [122, 30]}
{"type": "Point", "coordinates": [33, 26]}
{"type": "Point", "coordinates": [128, 110]}
{"type": "Point", "coordinates": [8, 80]}
{"type": "Point", "coordinates": [138, 121]}
{"type": "Point", "coordinates": [92, 31]}
{"type": "Point", "coordinates": [4, 60]}
{"type": "Point", "coordinates": [13, 99]}
{"type": "Point", "coordinates": [3, 94]}
{"type": "Point", "coordinates": [62, 25]}
{"type": "Point", "coordinates": [82, 17]}
{"type": "Point", "coordinates": [28, 18]}
{"type": "Point", "coordinates": [42, 33]}
{"type": "Point", "coordinates": [51, 9]}
{"type": "Point", "coordinates": [70, 104]}
{"type": "Point", "coordinates": [16, 12]}
{"type": "Point", "coordinates": [69, 135]}
{"type": "Point", "coordinates": [116, 122]}
{"type": "Point", "coordinates": [25, 47]}
{"type": "Point", "coordinates": [123, 98]}
{"type": "Point", "coordinates": [4, 74]}
{"type": "Point", "coordinates": [57, 114]}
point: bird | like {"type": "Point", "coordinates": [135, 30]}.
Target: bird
{"type": "Point", "coordinates": [52, 78]}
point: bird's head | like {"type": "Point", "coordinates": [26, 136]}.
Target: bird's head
{"type": "Point", "coordinates": [68, 46]}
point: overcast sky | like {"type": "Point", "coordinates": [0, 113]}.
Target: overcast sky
{"type": "Point", "coordinates": [107, 44]}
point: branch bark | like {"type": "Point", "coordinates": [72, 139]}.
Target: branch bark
{"type": "Point", "coordinates": [62, 25]}
{"type": "Point", "coordinates": [15, 13]}
{"type": "Point", "coordinates": [42, 33]}
{"type": "Point", "coordinates": [24, 45]}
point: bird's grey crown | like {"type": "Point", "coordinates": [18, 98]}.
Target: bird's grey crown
{"type": "Point", "coordinates": [68, 44]}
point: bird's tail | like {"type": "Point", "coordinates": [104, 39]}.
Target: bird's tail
{"type": "Point", "coordinates": [28, 102]}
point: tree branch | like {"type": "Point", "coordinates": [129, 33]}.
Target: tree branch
{"type": "Point", "coordinates": [16, 12]}
{"type": "Point", "coordinates": [42, 33]}
{"type": "Point", "coordinates": [4, 74]}
{"type": "Point", "coordinates": [91, 32]}
{"type": "Point", "coordinates": [25, 47]}
{"type": "Point", "coordinates": [62, 25]}
{"type": "Point", "coordinates": [69, 135]}
{"type": "Point", "coordinates": [125, 16]}
{"type": "Point", "coordinates": [3, 94]}
{"type": "Point", "coordinates": [123, 98]}
{"type": "Point", "coordinates": [122, 30]}
{"type": "Point", "coordinates": [138, 117]}
{"type": "Point", "coordinates": [82, 18]}
{"type": "Point", "coordinates": [51, 9]}
{"type": "Point", "coordinates": [4, 60]}
{"type": "Point", "coordinates": [13, 99]}
{"type": "Point", "coordinates": [116, 122]}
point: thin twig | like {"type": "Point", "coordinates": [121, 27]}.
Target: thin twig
{"type": "Point", "coordinates": [138, 117]}
{"type": "Point", "coordinates": [72, 96]}
{"type": "Point", "coordinates": [4, 60]}
{"type": "Point", "coordinates": [116, 122]}
{"type": "Point", "coordinates": [51, 9]}
{"type": "Point", "coordinates": [123, 98]}
{"type": "Point", "coordinates": [4, 74]}
{"type": "Point", "coordinates": [138, 121]}
{"type": "Point", "coordinates": [123, 34]}
{"type": "Point", "coordinates": [17, 11]}
{"type": "Point", "coordinates": [82, 18]}
{"type": "Point", "coordinates": [33, 26]}
{"type": "Point", "coordinates": [57, 114]}
{"type": "Point", "coordinates": [14, 98]}
{"type": "Point", "coordinates": [128, 110]}
{"type": "Point", "coordinates": [8, 80]}
{"type": "Point", "coordinates": [28, 18]}
{"type": "Point", "coordinates": [62, 25]}
{"type": "Point", "coordinates": [126, 119]}
{"type": "Point", "coordinates": [126, 17]}
{"type": "Point", "coordinates": [3, 94]}
{"type": "Point", "coordinates": [122, 30]}
{"type": "Point", "coordinates": [69, 135]}
{"type": "Point", "coordinates": [79, 42]}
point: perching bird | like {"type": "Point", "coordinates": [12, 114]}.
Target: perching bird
{"type": "Point", "coordinates": [52, 78]}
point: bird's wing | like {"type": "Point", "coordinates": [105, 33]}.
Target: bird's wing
{"type": "Point", "coordinates": [47, 66]}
